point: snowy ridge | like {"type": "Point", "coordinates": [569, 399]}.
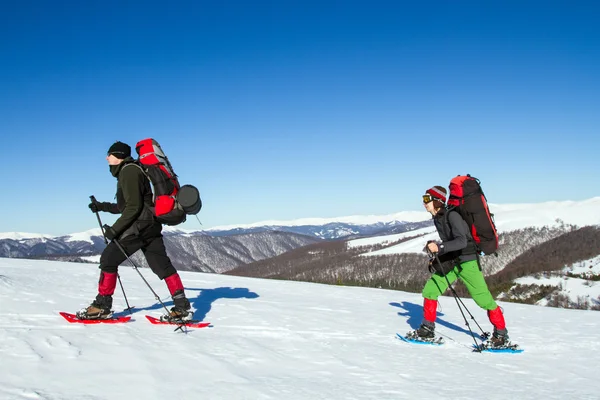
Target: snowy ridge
{"type": "Point", "coordinates": [370, 241]}
{"type": "Point", "coordinates": [23, 235]}
{"type": "Point", "coordinates": [507, 217]}
{"type": "Point", "coordinates": [403, 216]}
{"type": "Point", "coordinates": [513, 216]}
{"type": "Point", "coordinates": [84, 236]}
{"type": "Point", "coordinates": [274, 340]}
{"type": "Point", "coordinates": [517, 216]}
{"type": "Point", "coordinates": [73, 237]}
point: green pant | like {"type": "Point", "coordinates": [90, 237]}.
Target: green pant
{"type": "Point", "coordinates": [472, 277]}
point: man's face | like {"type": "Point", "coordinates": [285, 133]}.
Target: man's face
{"type": "Point", "coordinates": [112, 160]}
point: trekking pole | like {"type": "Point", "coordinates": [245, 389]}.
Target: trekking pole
{"type": "Point", "coordinates": [134, 267]}
{"type": "Point", "coordinates": [484, 335]}
{"type": "Point", "coordinates": [180, 323]}
{"type": "Point", "coordinates": [129, 308]}
{"type": "Point", "coordinates": [458, 303]}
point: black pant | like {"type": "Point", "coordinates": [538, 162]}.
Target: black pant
{"type": "Point", "coordinates": [153, 248]}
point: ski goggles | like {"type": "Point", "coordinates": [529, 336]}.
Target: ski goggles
{"type": "Point", "coordinates": [427, 198]}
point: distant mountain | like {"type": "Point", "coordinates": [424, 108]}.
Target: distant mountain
{"type": "Point", "coordinates": [331, 230]}
{"type": "Point", "coordinates": [359, 220]}
{"type": "Point", "coordinates": [321, 228]}
{"type": "Point", "coordinates": [191, 252]}
{"type": "Point", "coordinates": [219, 254]}
{"type": "Point", "coordinates": [37, 247]}
{"type": "Point", "coordinates": [217, 249]}
{"type": "Point", "coordinates": [375, 250]}
{"type": "Point", "coordinates": [534, 238]}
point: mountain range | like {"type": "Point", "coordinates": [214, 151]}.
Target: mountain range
{"type": "Point", "coordinates": [379, 251]}
{"type": "Point", "coordinates": [535, 239]}
{"type": "Point", "coordinates": [213, 250]}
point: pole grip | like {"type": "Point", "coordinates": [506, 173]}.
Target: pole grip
{"type": "Point", "coordinates": [93, 199]}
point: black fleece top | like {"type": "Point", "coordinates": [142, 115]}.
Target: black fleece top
{"type": "Point", "coordinates": [457, 241]}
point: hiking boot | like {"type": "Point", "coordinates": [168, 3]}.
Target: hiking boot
{"type": "Point", "coordinates": [179, 314]}
{"type": "Point", "coordinates": [99, 309]}
{"type": "Point", "coordinates": [426, 330]}
{"type": "Point", "coordinates": [499, 338]}
{"type": "Point", "coordinates": [181, 308]}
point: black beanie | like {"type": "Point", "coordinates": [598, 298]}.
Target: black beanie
{"type": "Point", "coordinates": [120, 150]}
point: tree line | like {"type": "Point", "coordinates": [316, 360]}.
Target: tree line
{"type": "Point", "coordinates": [522, 252]}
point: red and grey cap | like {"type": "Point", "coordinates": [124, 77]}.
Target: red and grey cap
{"type": "Point", "coordinates": [438, 192]}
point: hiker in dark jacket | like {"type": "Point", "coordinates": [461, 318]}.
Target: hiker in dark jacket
{"type": "Point", "coordinates": [135, 229]}
{"type": "Point", "coordinates": [458, 258]}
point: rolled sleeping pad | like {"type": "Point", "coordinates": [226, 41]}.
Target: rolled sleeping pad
{"type": "Point", "coordinates": [189, 198]}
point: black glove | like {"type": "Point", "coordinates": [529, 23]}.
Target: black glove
{"type": "Point", "coordinates": [109, 232]}
{"type": "Point", "coordinates": [441, 265]}
{"type": "Point", "coordinates": [96, 206]}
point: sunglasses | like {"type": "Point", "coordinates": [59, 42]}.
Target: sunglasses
{"type": "Point", "coordinates": [427, 198]}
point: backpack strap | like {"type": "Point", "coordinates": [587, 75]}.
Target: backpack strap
{"type": "Point", "coordinates": [137, 164]}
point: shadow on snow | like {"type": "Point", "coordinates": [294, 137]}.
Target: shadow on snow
{"type": "Point", "coordinates": [203, 302]}
{"type": "Point", "coordinates": [414, 312]}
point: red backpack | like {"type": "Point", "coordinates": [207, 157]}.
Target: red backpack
{"type": "Point", "coordinates": [468, 199]}
{"type": "Point", "coordinates": [172, 202]}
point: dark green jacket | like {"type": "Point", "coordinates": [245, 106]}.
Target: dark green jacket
{"type": "Point", "coordinates": [134, 200]}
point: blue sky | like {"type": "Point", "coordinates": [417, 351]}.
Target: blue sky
{"type": "Point", "coordinates": [291, 109]}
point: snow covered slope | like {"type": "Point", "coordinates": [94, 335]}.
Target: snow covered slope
{"type": "Point", "coordinates": [274, 340]}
